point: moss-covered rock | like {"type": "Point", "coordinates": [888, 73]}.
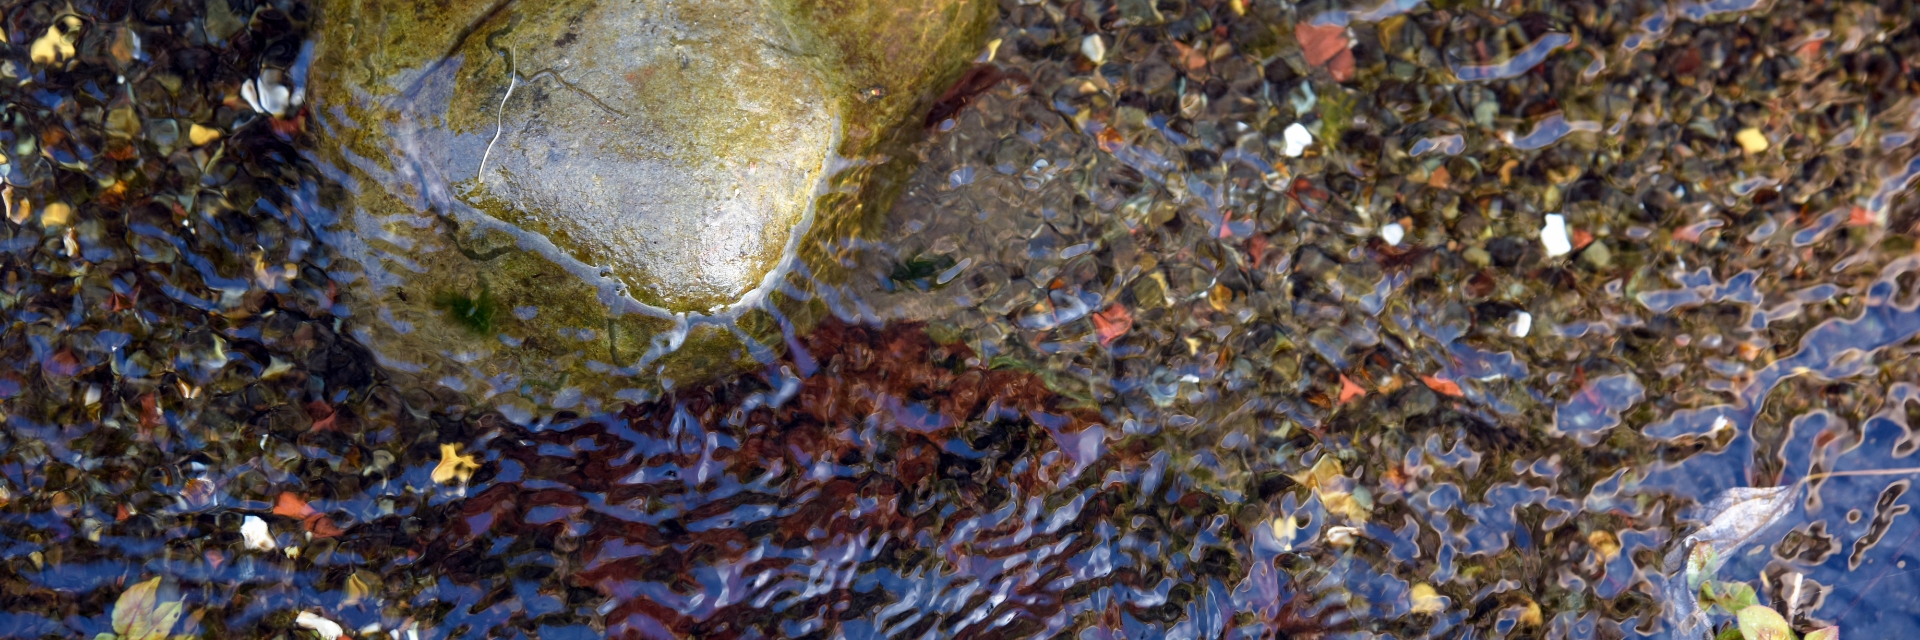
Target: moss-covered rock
{"type": "Point", "coordinates": [583, 194]}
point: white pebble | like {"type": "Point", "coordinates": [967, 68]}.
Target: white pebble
{"type": "Point", "coordinates": [1522, 323]}
{"type": "Point", "coordinates": [1094, 48]}
{"type": "Point", "coordinates": [254, 531]}
{"type": "Point", "coordinates": [1297, 140]}
{"type": "Point", "coordinates": [1392, 233]}
{"type": "Point", "coordinates": [1554, 236]}
{"type": "Point", "coordinates": [328, 629]}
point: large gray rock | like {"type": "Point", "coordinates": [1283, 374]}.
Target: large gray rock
{"type": "Point", "coordinates": [575, 194]}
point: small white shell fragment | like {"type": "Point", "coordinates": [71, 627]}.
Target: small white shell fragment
{"type": "Point", "coordinates": [1522, 324]}
{"type": "Point", "coordinates": [1554, 236]}
{"type": "Point", "coordinates": [1297, 140]}
{"type": "Point", "coordinates": [327, 629]}
{"type": "Point", "coordinates": [1393, 234]}
{"type": "Point", "coordinates": [1342, 536]}
{"type": "Point", "coordinates": [254, 530]}
{"type": "Point", "coordinates": [1094, 48]}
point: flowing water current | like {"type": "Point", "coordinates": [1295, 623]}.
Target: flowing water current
{"type": "Point", "coordinates": [1197, 319]}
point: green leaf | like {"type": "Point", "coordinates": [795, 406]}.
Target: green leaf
{"type": "Point", "coordinates": [1763, 623]}
{"type": "Point", "coordinates": [1829, 633]}
{"type": "Point", "coordinates": [106, 636]}
{"type": "Point", "coordinates": [133, 607]}
{"type": "Point", "coordinates": [1729, 633]}
{"type": "Point", "coordinates": [1732, 596]}
{"type": "Point", "coordinates": [1701, 563]}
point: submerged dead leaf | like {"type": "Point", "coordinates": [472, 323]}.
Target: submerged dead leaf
{"type": "Point", "coordinates": [1739, 514]}
{"type": "Point", "coordinates": [1702, 561]}
{"type": "Point", "coordinates": [139, 614]}
{"type": "Point", "coordinates": [454, 465]}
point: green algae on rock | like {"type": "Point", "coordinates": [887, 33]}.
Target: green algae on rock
{"type": "Point", "coordinates": [542, 192]}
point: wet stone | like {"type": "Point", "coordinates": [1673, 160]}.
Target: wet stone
{"type": "Point", "coordinates": [639, 172]}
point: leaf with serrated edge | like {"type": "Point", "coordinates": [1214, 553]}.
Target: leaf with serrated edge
{"type": "Point", "coordinates": [134, 605]}
{"type": "Point", "coordinates": [1763, 623]}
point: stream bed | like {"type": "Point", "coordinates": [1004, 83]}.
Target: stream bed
{"type": "Point", "coordinates": [1196, 319]}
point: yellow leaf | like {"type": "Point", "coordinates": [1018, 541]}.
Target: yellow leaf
{"type": "Point", "coordinates": [160, 622]}
{"type": "Point", "coordinates": [453, 465]}
{"type": "Point", "coordinates": [133, 607]}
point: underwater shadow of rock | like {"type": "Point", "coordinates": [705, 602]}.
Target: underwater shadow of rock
{"type": "Point", "coordinates": [899, 489]}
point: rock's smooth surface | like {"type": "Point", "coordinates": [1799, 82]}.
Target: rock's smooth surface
{"type": "Point", "coordinates": [553, 191]}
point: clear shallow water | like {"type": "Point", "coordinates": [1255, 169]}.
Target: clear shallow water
{"type": "Point", "coordinates": [1118, 365]}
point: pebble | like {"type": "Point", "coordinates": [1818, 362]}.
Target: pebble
{"type": "Point", "coordinates": [328, 629]}
{"type": "Point", "coordinates": [1393, 233]}
{"type": "Point", "coordinates": [1297, 140]}
{"type": "Point", "coordinates": [200, 135]}
{"type": "Point", "coordinates": [1522, 324]}
{"type": "Point", "coordinates": [1554, 236]}
{"type": "Point", "coordinates": [254, 531]}
{"type": "Point", "coordinates": [1094, 48]}
{"type": "Point", "coordinates": [1751, 139]}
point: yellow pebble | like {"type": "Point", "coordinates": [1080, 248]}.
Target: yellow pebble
{"type": "Point", "coordinates": [1426, 599]}
{"type": "Point", "coordinates": [57, 214]}
{"type": "Point", "coordinates": [200, 135]}
{"type": "Point", "coordinates": [1751, 139]}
